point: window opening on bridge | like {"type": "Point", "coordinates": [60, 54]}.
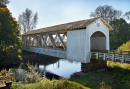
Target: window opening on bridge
{"type": "Point", "coordinates": [48, 42]}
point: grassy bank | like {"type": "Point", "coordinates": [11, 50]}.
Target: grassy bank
{"type": "Point", "coordinates": [51, 84]}
{"type": "Point", "coordinates": [116, 77]}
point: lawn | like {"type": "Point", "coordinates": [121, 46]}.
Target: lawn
{"type": "Point", "coordinates": [117, 76]}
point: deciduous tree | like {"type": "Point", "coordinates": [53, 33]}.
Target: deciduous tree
{"type": "Point", "coordinates": [127, 15]}
{"type": "Point", "coordinates": [120, 33]}
{"type": "Point", "coordinates": [28, 20]}
{"type": "Point", "coordinates": [107, 12]}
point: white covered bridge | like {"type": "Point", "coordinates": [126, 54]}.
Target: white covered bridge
{"type": "Point", "coordinates": [72, 41]}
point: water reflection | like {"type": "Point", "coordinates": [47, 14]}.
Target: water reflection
{"type": "Point", "coordinates": [62, 68]}
{"type": "Point", "coordinates": [52, 67]}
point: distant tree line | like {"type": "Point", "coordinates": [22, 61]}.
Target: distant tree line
{"type": "Point", "coordinates": [121, 29]}
{"type": "Point", "coordinates": [5, 1]}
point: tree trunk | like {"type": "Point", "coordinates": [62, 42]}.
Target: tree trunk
{"type": "Point", "coordinates": [5, 51]}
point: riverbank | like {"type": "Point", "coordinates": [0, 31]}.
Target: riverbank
{"type": "Point", "coordinates": [50, 84]}
{"type": "Point", "coordinates": [117, 76]}
{"type": "Point", "coordinates": [14, 58]}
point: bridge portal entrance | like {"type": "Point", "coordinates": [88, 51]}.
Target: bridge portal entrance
{"type": "Point", "coordinates": [98, 41]}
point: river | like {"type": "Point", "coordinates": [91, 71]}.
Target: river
{"type": "Point", "coordinates": [54, 68]}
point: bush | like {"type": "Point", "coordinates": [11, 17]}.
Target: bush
{"type": "Point", "coordinates": [50, 84]}
{"type": "Point", "coordinates": [125, 46]}
{"type": "Point", "coordinates": [32, 75]}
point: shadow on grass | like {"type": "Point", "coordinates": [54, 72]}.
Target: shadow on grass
{"type": "Point", "coordinates": [116, 77]}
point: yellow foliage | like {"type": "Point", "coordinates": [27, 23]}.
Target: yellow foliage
{"type": "Point", "coordinates": [125, 46]}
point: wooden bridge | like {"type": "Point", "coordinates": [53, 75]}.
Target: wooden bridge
{"type": "Point", "coordinates": [73, 41]}
{"type": "Point", "coordinates": [76, 41]}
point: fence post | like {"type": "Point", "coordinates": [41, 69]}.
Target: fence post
{"type": "Point", "coordinates": [113, 57]}
{"type": "Point", "coordinates": [97, 55]}
{"type": "Point", "coordinates": [90, 55]}
{"type": "Point", "coordinates": [121, 52]}
{"type": "Point", "coordinates": [128, 52]}
{"type": "Point", "coordinates": [104, 56]}
{"type": "Point", "coordinates": [123, 58]}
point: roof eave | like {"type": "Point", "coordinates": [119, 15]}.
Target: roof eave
{"type": "Point", "coordinates": [109, 27]}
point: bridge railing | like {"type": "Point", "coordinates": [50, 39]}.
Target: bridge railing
{"type": "Point", "coordinates": [123, 56]}
{"type": "Point", "coordinates": [112, 51]}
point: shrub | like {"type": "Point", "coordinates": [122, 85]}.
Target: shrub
{"type": "Point", "coordinates": [50, 84]}
{"type": "Point", "coordinates": [32, 75]}
{"type": "Point", "coordinates": [125, 46]}
{"type": "Point", "coordinates": [6, 76]}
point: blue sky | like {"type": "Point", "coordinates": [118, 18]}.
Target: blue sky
{"type": "Point", "coordinates": [53, 12]}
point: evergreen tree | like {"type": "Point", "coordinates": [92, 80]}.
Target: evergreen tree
{"type": "Point", "coordinates": [9, 30]}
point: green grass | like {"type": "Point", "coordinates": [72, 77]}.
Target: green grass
{"type": "Point", "coordinates": [50, 84]}
{"type": "Point", "coordinates": [116, 77]}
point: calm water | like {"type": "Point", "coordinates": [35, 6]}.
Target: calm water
{"type": "Point", "coordinates": [54, 68]}
{"type": "Point", "coordinates": [63, 68]}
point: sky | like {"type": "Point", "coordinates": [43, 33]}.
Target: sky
{"type": "Point", "coordinates": [54, 12]}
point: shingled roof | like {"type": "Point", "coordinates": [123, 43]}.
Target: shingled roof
{"type": "Point", "coordinates": [64, 27]}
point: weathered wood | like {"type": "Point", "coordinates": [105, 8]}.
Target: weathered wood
{"type": "Point", "coordinates": [39, 40]}
{"type": "Point", "coordinates": [123, 58]}
{"type": "Point", "coordinates": [45, 40]}
{"type": "Point", "coordinates": [61, 40]}
{"type": "Point", "coordinates": [55, 38]}
{"type": "Point", "coordinates": [42, 38]}
{"type": "Point", "coordinates": [97, 55]}
{"type": "Point", "coordinates": [104, 58]}
{"type": "Point", "coordinates": [33, 41]}
{"type": "Point", "coordinates": [114, 57]}
{"type": "Point", "coordinates": [52, 41]}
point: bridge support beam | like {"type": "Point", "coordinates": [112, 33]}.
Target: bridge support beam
{"type": "Point", "coordinates": [50, 52]}
{"type": "Point", "coordinates": [46, 40]}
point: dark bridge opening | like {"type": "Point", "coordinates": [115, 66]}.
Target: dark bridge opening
{"type": "Point", "coordinates": [98, 41]}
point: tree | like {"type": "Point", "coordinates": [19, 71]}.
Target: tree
{"type": "Point", "coordinates": [107, 12]}
{"type": "Point", "coordinates": [120, 33]}
{"type": "Point", "coordinates": [28, 20]}
{"type": "Point", "coordinates": [125, 46]}
{"type": "Point", "coordinates": [5, 1]}
{"type": "Point", "coordinates": [9, 30]}
{"type": "Point", "coordinates": [127, 15]}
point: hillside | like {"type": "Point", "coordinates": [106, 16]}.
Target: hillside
{"type": "Point", "coordinates": [125, 46]}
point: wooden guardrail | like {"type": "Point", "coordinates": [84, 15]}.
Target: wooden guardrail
{"type": "Point", "coordinates": [112, 51]}
{"type": "Point", "coordinates": [110, 55]}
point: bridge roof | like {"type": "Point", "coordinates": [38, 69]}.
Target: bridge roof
{"type": "Point", "coordinates": [64, 27]}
